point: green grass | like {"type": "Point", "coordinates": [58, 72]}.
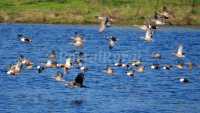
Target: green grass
{"type": "Point", "coordinates": [126, 12]}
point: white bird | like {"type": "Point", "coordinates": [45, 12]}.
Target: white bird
{"type": "Point", "coordinates": [180, 53]}
{"type": "Point", "coordinates": [148, 35]}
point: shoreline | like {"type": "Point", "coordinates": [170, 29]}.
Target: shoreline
{"type": "Point", "coordinates": [92, 24]}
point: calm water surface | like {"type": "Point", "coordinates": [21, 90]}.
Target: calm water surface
{"type": "Point", "coordinates": [155, 91]}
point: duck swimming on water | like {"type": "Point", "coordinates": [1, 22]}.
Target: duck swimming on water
{"type": "Point", "coordinates": [67, 65]}
{"type": "Point", "coordinates": [109, 70]}
{"type": "Point", "coordinates": [77, 82]}
{"type": "Point", "coordinates": [167, 67]}
{"type": "Point", "coordinates": [26, 62]}
{"type": "Point", "coordinates": [156, 56]}
{"type": "Point", "coordinates": [183, 80]}
{"type": "Point", "coordinates": [15, 69]}
{"type": "Point", "coordinates": [59, 76]}
{"type": "Point", "coordinates": [120, 64]}
{"type": "Point", "coordinates": [24, 39]}
{"type": "Point", "coordinates": [130, 73]}
{"type": "Point", "coordinates": [78, 40]}
{"type": "Point", "coordinates": [51, 62]}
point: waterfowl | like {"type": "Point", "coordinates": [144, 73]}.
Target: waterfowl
{"type": "Point", "coordinates": [148, 35]}
{"type": "Point", "coordinates": [78, 40]}
{"type": "Point", "coordinates": [81, 54]}
{"type": "Point", "coordinates": [165, 13]}
{"type": "Point", "coordinates": [15, 69]}
{"type": "Point", "coordinates": [167, 67]}
{"type": "Point", "coordinates": [104, 22]}
{"type": "Point", "coordinates": [112, 41]}
{"type": "Point", "coordinates": [147, 25]}
{"type": "Point", "coordinates": [109, 70]}
{"type": "Point", "coordinates": [67, 65]}
{"type": "Point", "coordinates": [119, 63]}
{"type": "Point", "coordinates": [130, 73]}
{"type": "Point", "coordinates": [136, 63]}
{"type": "Point", "coordinates": [155, 66]}
{"type": "Point", "coordinates": [180, 66]}
{"type": "Point", "coordinates": [51, 62]}
{"type": "Point", "coordinates": [180, 53]}
{"type": "Point", "coordinates": [83, 69]}
{"type": "Point", "coordinates": [157, 19]}
{"type": "Point", "coordinates": [24, 39]}
{"type": "Point", "coordinates": [59, 76]}
{"type": "Point", "coordinates": [79, 62]}
{"type": "Point", "coordinates": [140, 69]}
{"type": "Point", "coordinates": [183, 80]}
{"type": "Point", "coordinates": [26, 62]}
{"type": "Point", "coordinates": [40, 69]}
{"type": "Point", "coordinates": [156, 55]}
{"type": "Point", "coordinates": [77, 82]}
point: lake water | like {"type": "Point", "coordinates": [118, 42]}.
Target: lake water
{"type": "Point", "coordinates": [154, 91]}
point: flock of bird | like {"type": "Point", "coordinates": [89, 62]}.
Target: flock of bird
{"type": "Point", "coordinates": [160, 18]}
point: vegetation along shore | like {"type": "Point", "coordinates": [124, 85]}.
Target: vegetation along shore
{"type": "Point", "coordinates": [124, 12]}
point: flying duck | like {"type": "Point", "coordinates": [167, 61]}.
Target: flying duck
{"type": "Point", "coordinates": [112, 41]}
{"type": "Point", "coordinates": [104, 22]}
{"type": "Point", "coordinates": [180, 53]}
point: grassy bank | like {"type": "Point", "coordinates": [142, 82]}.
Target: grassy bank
{"type": "Point", "coordinates": [125, 12]}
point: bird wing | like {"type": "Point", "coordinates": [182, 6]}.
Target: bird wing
{"type": "Point", "coordinates": [102, 26]}
{"type": "Point", "coordinates": [180, 49]}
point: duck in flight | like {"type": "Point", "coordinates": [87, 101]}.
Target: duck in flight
{"type": "Point", "coordinates": [157, 19]}
{"type": "Point", "coordinates": [112, 41]}
{"type": "Point", "coordinates": [149, 35]}
{"type": "Point", "coordinates": [104, 22]}
{"type": "Point", "coordinates": [180, 53]}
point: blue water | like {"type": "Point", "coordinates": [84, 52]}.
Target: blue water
{"type": "Point", "coordinates": [154, 91]}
